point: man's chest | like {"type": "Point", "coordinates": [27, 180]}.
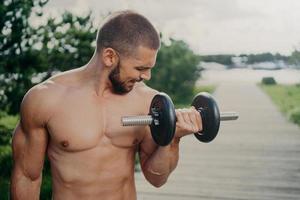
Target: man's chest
{"type": "Point", "coordinates": [80, 125]}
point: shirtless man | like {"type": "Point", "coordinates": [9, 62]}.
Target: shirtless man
{"type": "Point", "coordinates": [74, 119]}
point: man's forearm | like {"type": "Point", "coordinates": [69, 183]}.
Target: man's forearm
{"type": "Point", "coordinates": [23, 187]}
{"type": "Point", "coordinates": [161, 163]}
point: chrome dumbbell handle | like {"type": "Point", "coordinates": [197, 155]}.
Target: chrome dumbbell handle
{"type": "Point", "coordinates": [142, 120]}
{"type": "Point", "coordinates": [227, 116]}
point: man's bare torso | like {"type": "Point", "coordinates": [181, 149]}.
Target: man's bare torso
{"type": "Point", "coordinates": [91, 154]}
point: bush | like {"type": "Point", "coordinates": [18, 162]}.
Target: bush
{"type": "Point", "coordinates": [204, 88]}
{"type": "Point", "coordinates": [46, 187]}
{"type": "Point", "coordinates": [176, 71]}
{"type": "Point", "coordinates": [4, 188]}
{"type": "Point", "coordinates": [294, 115]}
{"type": "Point", "coordinates": [268, 81]}
{"type": "Point", "coordinates": [7, 125]}
{"type": "Point", "coordinates": [5, 161]}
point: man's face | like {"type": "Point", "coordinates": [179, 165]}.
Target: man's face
{"type": "Point", "coordinates": [130, 70]}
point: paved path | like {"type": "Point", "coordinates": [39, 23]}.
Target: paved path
{"type": "Point", "coordinates": [256, 157]}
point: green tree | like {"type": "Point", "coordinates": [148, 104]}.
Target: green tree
{"type": "Point", "coordinates": [294, 59]}
{"type": "Point", "coordinates": [66, 43]}
{"type": "Point", "coordinates": [176, 71]}
{"type": "Point", "coordinates": [222, 59]}
{"type": "Point", "coordinates": [26, 51]}
{"type": "Point", "coordinates": [263, 57]}
{"type": "Point", "coordinates": [16, 55]}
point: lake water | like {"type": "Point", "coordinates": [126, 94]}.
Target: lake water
{"type": "Point", "coordinates": [284, 76]}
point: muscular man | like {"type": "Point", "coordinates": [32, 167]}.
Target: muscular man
{"type": "Point", "coordinates": [74, 119]}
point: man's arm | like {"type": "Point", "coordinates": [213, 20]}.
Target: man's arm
{"type": "Point", "coordinates": [158, 162]}
{"type": "Point", "coordinates": [29, 145]}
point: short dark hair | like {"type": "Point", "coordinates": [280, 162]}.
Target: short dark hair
{"type": "Point", "coordinates": [126, 30]}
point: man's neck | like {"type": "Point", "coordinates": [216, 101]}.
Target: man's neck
{"type": "Point", "coordinates": [96, 74]}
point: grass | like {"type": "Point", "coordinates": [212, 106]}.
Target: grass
{"type": "Point", "coordinates": [9, 121]}
{"type": "Point", "coordinates": [204, 88]}
{"type": "Point", "coordinates": [287, 98]}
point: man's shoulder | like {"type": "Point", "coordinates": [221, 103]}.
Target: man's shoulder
{"type": "Point", "coordinates": [144, 90]}
{"type": "Point", "coordinates": [41, 99]}
{"type": "Point", "coordinates": [44, 91]}
{"type": "Point", "coordinates": [52, 88]}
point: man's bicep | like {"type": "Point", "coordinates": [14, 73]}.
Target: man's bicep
{"type": "Point", "coordinates": [29, 147]}
{"type": "Point", "coordinates": [30, 137]}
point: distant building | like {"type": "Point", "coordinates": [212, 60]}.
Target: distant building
{"type": "Point", "coordinates": [280, 64]}
{"type": "Point", "coordinates": [212, 66]}
{"type": "Point", "coordinates": [239, 61]}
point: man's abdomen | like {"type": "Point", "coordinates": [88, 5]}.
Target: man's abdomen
{"type": "Point", "coordinates": [97, 173]}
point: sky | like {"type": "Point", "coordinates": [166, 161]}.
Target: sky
{"type": "Point", "coordinates": [208, 26]}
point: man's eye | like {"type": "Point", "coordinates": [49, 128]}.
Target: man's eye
{"type": "Point", "coordinates": [141, 69]}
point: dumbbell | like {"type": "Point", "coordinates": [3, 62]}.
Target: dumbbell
{"type": "Point", "coordinates": [162, 118]}
{"type": "Point", "coordinates": [211, 116]}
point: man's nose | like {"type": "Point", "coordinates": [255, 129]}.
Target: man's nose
{"type": "Point", "coordinates": [146, 75]}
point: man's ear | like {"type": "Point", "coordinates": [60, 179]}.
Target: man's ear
{"type": "Point", "coordinates": [109, 57]}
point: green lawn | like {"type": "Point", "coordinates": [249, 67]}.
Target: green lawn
{"type": "Point", "coordinates": [287, 98]}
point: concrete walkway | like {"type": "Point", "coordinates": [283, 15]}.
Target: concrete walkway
{"type": "Point", "coordinates": [256, 157]}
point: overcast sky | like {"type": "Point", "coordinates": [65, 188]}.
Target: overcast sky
{"type": "Point", "coordinates": [209, 26]}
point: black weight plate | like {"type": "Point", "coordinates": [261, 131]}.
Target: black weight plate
{"type": "Point", "coordinates": [210, 116]}
{"type": "Point", "coordinates": [162, 109]}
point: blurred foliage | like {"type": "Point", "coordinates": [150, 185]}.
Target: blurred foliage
{"type": "Point", "coordinates": [204, 88]}
{"type": "Point", "coordinates": [5, 161]}
{"type": "Point", "coordinates": [25, 50]}
{"type": "Point", "coordinates": [197, 89]}
{"type": "Point", "coordinates": [66, 43]}
{"type": "Point", "coordinates": [265, 57]}
{"type": "Point", "coordinates": [287, 97]}
{"type": "Point", "coordinates": [222, 59]}
{"type": "Point", "coordinates": [294, 115]}
{"type": "Point", "coordinates": [294, 59]}
{"type": "Point", "coordinates": [46, 188]}
{"type": "Point", "coordinates": [268, 81]}
{"type": "Point", "coordinates": [176, 71]}
{"type": "Point", "coordinates": [7, 125]}
{"type": "Point", "coordinates": [16, 53]}
{"type": "Point", "coordinates": [4, 188]}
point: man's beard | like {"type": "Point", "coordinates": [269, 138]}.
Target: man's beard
{"type": "Point", "coordinates": [119, 87]}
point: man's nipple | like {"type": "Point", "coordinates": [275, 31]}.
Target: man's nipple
{"type": "Point", "coordinates": [64, 144]}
